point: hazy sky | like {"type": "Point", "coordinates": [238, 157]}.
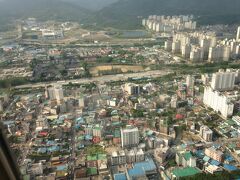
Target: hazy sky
{"type": "Point", "coordinates": [89, 4]}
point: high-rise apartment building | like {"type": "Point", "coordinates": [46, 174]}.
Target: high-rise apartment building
{"type": "Point", "coordinates": [129, 136]}
{"type": "Point", "coordinates": [218, 101]}
{"type": "Point", "coordinates": [238, 34]}
{"type": "Point", "coordinates": [132, 89]}
{"type": "Point", "coordinates": [223, 80]}
{"type": "Point", "coordinates": [56, 93]}
{"type": "Point", "coordinates": [206, 133]}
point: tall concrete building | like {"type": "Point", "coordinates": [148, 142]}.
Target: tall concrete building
{"type": "Point", "coordinates": [176, 47]}
{"type": "Point", "coordinates": [144, 22]}
{"type": "Point", "coordinates": [56, 94]}
{"type": "Point", "coordinates": [168, 45]}
{"type": "Point", "coordinates": [223, 80]}
{"type": "Point", "coordinates": [219, 53]}
{"type": "Point", "coordinates": [238, 34]}
{"type": "Point", "coordinates": [186, 49]}
{"type": "Point", "coordinates": [129, 136]}
{"type": "Point", "coordinates": [169, 23]}
{"type": "Point", "coordinates": [196, 54]}
{"type": "Point", "coordinates": [163, 126]}
{"type": "Point", "coordinates": [1, 105]}
{"type": "Point", "coordinates": [190, 81]}
{"type": "Point", "coordinates": [206, 133]}
{"type": "Point", "coordinates": [218, 101]}
{"type": "Point", "coordinates": [132, 89]}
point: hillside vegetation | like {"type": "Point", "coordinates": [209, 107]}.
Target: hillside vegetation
{"type": "Point", "coordinates": [123, 14]}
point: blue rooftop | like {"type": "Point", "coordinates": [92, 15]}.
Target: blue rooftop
{"type": "Point", "coordinates": [80, 120]}
{"type": "Point", "coordinates": [206, 158]}
{"type": "Point", "coordinates": [88, 137]}
{"type": "Point", "coordinates": [120, 176]}
{"type": "Point", "coordinates": [229, 158]}
{"type": "Point", "coordinates": [141, 167]}
{"type": "Point", "coordinates": [230, 167]}
{"type": "Point", "coordinates": [60, 121]}
{"type": "Point", "coordinates": [8, 122]}
{"type": "Point", "coordinates": [214, 162]}
{"type": "Point", "coordinates": [62, 168]}
{"type": "Point", "coordinates": [42, 150]}
{"type": "Point", "coordinates": [114, 112]}
{"type": "Point", "coordinates": [50, 142]}
{"type": "Point", "coordinates": [199, 153]}
{"type": "Point", "coordinates": [54, 148]}
{"type": "Point", "coordinates": [136, 171]}
{"type": "Point", "coordinates": [77, 127]}
{"type": "Point", "coordinates": [62, 117]}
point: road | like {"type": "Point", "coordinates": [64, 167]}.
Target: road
{"type": "Point", "coordinates": [101, 79]}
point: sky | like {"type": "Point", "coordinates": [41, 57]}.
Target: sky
{"type": "Point", "coordinates": [88, 4]}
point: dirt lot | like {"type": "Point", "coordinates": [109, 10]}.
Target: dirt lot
{"type": "Point", "coordinates": [124, 68]}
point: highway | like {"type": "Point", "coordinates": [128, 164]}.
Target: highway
{"type": "Point", "coordinates": [101, 79]}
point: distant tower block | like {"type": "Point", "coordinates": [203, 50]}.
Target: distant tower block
{"type": "Point", "coordinates": [238, 34]}
{"type": "Point", "coordinates": [19, 28]}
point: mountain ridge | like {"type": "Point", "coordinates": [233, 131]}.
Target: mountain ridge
{"type": "Point", "coordinates": [220, 11]}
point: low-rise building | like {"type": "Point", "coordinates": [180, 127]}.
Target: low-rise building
{"type": "Point", "coordinates": [214, 154]}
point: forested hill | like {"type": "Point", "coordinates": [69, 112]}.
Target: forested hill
{"type": "Point", "coordinates": [125, 12]}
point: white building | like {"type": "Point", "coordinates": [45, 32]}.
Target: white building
{"type": "Point", "coordinates": [81, 102]}
{"type": "Point", "coordinates": [205, 78]}
{"type": "Point", "coordinates": [52, 34]}
{"type": "Point", "coordinates": [139, 155]}
{"type": "Point", "coordinates": [112, 102]}
{"type": "Point", "coordinates": [114, 158]}
{"type": "Point", "coordinates": [176, 47]}
{"type": "Point", "coordinates": [173, 102]}
{"type": "Point", "coordinates": [88, 130]}
{"type": "Point", "coordinates": [190, 81]}
{"type": "Point", "coordinates": [206, 133]}
{"type": "Point", "coordinates": [186, 49]}
{"type": "Point", "coordinates": [144, 22]}
{"type": "Point", "coordinates": [129, 136]}
{"type": "Point", "coordinates": [236, 119]}
{"type": "Point", "coordinates": [122, 157]}
{"type": "Point", "coordinates": [205, 44]}
{"type": "Point", "coordinates": [97, 131]}
{"type": "Point", "coordinates": [132, 89]}
{"type": "Point", "coordinates": [168, 45]}
{"type": "Point", "coordinates": [130, 156]}
{"type": "Point", "coordinates": [196, 54]}
{"type": "Point", "coordinates": [223, 80]}
{"type": "Point", "coordinates": [56, 93]}
{"type": "Point", "coordinates": [212, 169]}
{"type": "Point", "coordinates": [169, 23]}
{"type": "Point", "coordinates": [214, 154]}
{"type": "Point", "coordinates": [218, 101]}
{"type": "Point", "coordinates": [238, 34]}
{"type": "Point", "coordinates": [41, 124]}
{"type": "Point", "coordinates": [219, 53]}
